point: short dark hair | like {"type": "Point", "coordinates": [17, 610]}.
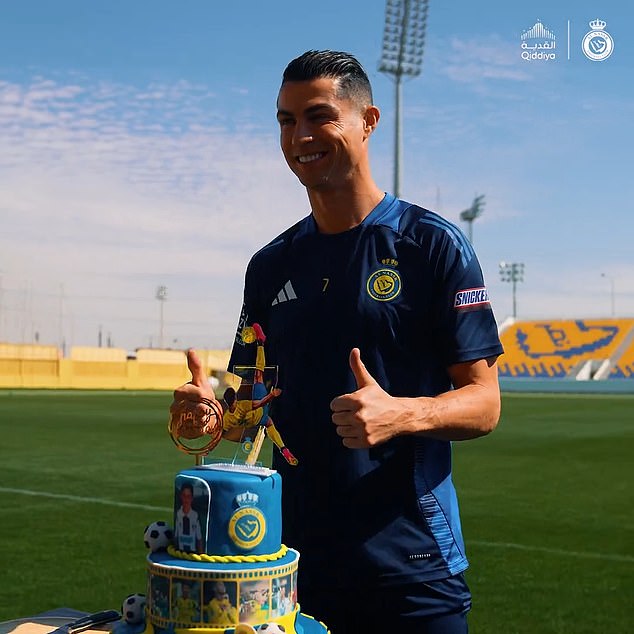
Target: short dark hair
{"type": "Point", "coordinates": [187, 485]}
{"type": "Point", "coordinates": [353, 80]}
{"type": "Point", "coordinates": [229, 396]}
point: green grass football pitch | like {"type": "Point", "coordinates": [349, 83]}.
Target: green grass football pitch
{"type": "Point", "coordinates": [546, 505]}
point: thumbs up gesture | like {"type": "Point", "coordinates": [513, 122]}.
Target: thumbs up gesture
{"type": "Point", "coordinates": [194, 400]}
{"type": "Point", "coordinates": [199, 378]}
{"type": "Point", "coordinates": [368, 416]}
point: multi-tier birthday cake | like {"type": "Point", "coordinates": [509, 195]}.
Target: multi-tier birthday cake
{"type": "Point", "coordinates": [222, 568]}
{"type": "Point", "coordinates": [227, 568]}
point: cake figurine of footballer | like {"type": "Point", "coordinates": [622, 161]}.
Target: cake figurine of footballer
{"type": "Point", "coordinates": [245, 412]}
{"type": "Point", "coordinates": [248, 408]}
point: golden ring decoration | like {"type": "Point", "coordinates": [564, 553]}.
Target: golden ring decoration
{"type": "Point", "coordinates": [197, 434]}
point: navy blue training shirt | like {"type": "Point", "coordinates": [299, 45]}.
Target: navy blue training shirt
{"type": "Point", "coordinates": [405, 287]}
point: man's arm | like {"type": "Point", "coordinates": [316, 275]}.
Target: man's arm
{"type": "Point", "coordinates": [470, 410]}
{"type": "Point", "coordinates": [370, 416]}
{"type": "Point", "coordinates": [237, 433]}
{"type": "Point", "coordinates": [276, 391]}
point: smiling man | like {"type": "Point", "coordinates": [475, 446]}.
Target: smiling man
{"type": "Point", "coordinates": [371, 505]}
{"type": "Point", "coordinates": [325, 126]}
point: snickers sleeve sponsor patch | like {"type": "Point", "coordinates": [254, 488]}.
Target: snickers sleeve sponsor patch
{"type": "Point", "coordinates": [471, 298]}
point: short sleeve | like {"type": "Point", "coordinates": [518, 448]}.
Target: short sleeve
{"type": "Point", "coordinates": [464, 316]}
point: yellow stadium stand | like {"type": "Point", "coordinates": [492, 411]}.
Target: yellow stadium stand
{"type": "Point", "coordinates": [215, 360]}
{"type": "Point", "coordinates": [159, 369]}
{"type": "Point", "coordinates": [624, 367]}
{"type": "Point", "coordinates": [166, 369]}
{"type": "Point", "coordinates": [561, 348]}
{"type": "Point", "coordinates": [29, 365]}
{"type": "Point", "coordinates": [86, 367]}
{"type": "Point", "coordinates": [97, 368]}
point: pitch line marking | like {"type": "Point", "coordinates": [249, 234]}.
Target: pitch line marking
{"type": "Point", "coordinates": [147, 507]}
{"type": "Point", "coordinates": [556, 551]}
{"type": "Point", "coordinates": [89, 500]}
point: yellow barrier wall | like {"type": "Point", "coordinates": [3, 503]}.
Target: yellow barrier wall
{"type": "Point", "coordinates": [31, 366]}
{"type": "Point", "coordinates": [26, 365]}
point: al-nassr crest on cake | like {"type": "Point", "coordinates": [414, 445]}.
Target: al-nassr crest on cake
{"type": "Point", "coordinates": [221, 567]}
{"type": "Point", "coordinates": [247, 525]}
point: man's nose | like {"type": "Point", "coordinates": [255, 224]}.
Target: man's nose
{"type": "Point", "coordinates": [303, 132]}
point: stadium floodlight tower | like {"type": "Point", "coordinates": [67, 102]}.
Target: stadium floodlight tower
{"type": "Point", "coordinates": [161, 295]}
{"type": "Point", "coordinates": [473, 212]}
{"type": "Point", "coordinates": [512, 272]}
{"type": "Point", "coordinates": [402, 55]}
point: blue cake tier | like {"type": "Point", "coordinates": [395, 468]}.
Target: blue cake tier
{"type": "Point", "coordinates": [228, 510]}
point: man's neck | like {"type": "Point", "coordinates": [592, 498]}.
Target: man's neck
{"type": "Point", "coordinates": [342, 209]}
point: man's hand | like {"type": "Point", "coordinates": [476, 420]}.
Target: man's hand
{"type": "Point", "coordinates": [369, 416]}
{"type": "Point", "coordinates": [275, 391]}
{"type": "Point", "coordinates": [192, 410]}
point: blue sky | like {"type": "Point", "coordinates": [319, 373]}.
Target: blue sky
{"type": "Point", "coordinates": [138, 148]}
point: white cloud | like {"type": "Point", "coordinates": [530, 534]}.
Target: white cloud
{"type": "Point", "coordinates": [110, 196]}
{"type": "Point", "coordinates": [111, 206]}
{"type": "Point", "coordinates": [474, 61]}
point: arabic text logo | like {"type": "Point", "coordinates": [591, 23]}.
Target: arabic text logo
{"type": "Point", "coordinates": [597, 44]}
{"type": "Point", "coordinates": [538, 43]}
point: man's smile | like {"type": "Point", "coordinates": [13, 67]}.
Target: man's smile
{"type": "Point", "coordinates": [307, 158]}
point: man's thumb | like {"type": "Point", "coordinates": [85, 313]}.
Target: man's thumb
{"type": "Point", "coordinates": [361, 374]}
{"type": "Point", "coordinates": [199, 378]}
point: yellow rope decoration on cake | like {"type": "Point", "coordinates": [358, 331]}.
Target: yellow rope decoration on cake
{"type": "Point", "coordinates": [228, 559]}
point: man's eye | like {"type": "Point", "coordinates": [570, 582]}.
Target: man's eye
{"type": "Point", "coordinates": [285, 122]}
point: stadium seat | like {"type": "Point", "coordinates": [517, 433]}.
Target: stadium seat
{"type": "Point", "coordinates": [558, 348]}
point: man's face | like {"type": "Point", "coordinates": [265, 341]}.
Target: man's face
{"type": "Point", "coordinates": [322, 135]}
{"type": "Point", "coordinates": [186, 499]}
{"type": "Point", "coordinates": [262, 596]}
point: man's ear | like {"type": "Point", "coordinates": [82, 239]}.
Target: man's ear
{"type": "Point", "coordinates": [371, 118]}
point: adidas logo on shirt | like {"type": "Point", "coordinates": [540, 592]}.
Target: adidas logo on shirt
{"type": "Point", "coordinates": [285, 295]}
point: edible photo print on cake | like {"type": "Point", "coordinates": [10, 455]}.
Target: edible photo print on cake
{"type": "Point", "coordinates": [159, 603]}
{"type": "Point", "coordinates": [220, 603]}
{"type": "Point", "coordinates": [255, 601]}
{"type": "Point", "coordinates": [191, 511]}
{"type": "Point", "coordinates": [294, 587]}
{"type": "Point", "coordinates": [186, 601]}
{"type": "Point", "coordinates": [281, 599]}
